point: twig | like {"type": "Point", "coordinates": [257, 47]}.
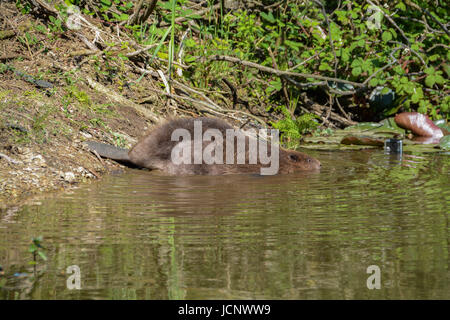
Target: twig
{"type": "Point", "coordinates": [410, 3]}
{"type": "Point", "coordinates": [306, 60]}
{"type": "Point", "coordinates": [89, 44]}
{"type": "Point", "coordinates": [136, 18]}
{"type": "Point", "coordinates": [280, 72]}
{"type": "Point", "coordinates": [413, 51]}
{"type": "Point", "coordinates": [10, 57]}
{"type": "Point", "coordinates": [438, 45]}
{"type": "Point", "coordinates": [394, 60]}
{"type": "Point", "coordinates": [203, 106]}
{"type": "Point", "coordinates": [274, 63]}
{"type": "Point", "coordinates": [392, 22]}
{"type": "Point", "coordinates": [197, 13]}
{"type": "Point", "coordinates": [329, 35]}
{"type": "Point", "coordinates": [342, 109]}
{"type": "Point", "coordinates": [39, 4]}
{"type": "Point", "coordinates": [144, 49]}
{"type": "Point", "coordinates": [10, 160]}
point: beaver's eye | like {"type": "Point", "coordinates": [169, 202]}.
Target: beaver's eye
{"type": "Point", "coordinates": [308, 160]}
{"type": "Point", "coordinates": [293, 157]}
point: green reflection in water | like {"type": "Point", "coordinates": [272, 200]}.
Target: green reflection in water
{"type": "Point", "coordinates": [143, 235]}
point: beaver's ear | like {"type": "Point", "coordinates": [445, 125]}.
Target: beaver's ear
{"type": "Point", "coordinates": [294, 157]}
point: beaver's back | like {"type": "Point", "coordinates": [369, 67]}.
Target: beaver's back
{"type": "Point", "coordinates": [154, 151]}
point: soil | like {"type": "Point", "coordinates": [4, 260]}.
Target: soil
{"type": "Point", "coordinates": [42, 129]}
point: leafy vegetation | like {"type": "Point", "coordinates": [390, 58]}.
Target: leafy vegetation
{"type": "Point", "coordinates": [36, 250]}
{"type": "Point", "coordinates": [293, 129]}
{"type": "Point", "coordinates": [356, 53]}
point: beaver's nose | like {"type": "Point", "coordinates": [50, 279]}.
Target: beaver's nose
{"type": "Point", "coordinates": [318, 164]}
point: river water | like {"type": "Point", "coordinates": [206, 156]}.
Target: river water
{"type": "Point", "coordinates": [144, 235]}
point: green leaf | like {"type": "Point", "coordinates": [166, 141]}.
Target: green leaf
{"type": "Point", "coordinates": [325, 66]}
{"type": "Point", "coordinates": [357, 62]}
{"type": "Point", "coordinates": [434, 57]}
{"type": "Point", "coordinates": [345, 55]}
{"type": "Point", "coordinates": [430, 81]}
{"type": "Point", "coordinates": [415, 47]}
{"type": "Point", "coordinates": [268, 17]}
{"type": "Point", "coordinates": [106, 3]}
{"type": "Point", "coordinates": [423, 106]}
{"type": "Point", "coordinates": [386, 36]}
{"type": "Point", "coordinates": [356, 71]}
{"type": "Point", "coordinates": [417, 95]}
{"type": "Point", "coordinates": [399, 70]}
{"type": "Point", "coordinates": [439, 79]}
{"type": "Point", "coordinates": [385, 90]}
{"type": "Point", "coordinates": [444, 143]}
{"type": "Point", "coordinates": [429, 70]}
{"type": "Point", "coordinates": [373, 82]}
{"type": "Point", "coordinates": [293, 45]}
{"type": "Point", "coordinates": [446, 68]}
{"type": "Point", "coordinates": [401, 6]}
{"type": "Point", "coordinates": [42, 255]}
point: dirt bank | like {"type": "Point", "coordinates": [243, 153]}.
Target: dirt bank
{"type": "Point", "coordinates": [42, 129]}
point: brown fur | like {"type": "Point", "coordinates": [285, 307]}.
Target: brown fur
{"type": "Point", "coordinates": [154, 152]}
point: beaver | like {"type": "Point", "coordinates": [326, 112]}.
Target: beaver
{"type": "Point", "coordinates": [157, 149]}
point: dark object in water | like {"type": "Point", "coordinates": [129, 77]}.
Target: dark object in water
{"type": "Point", "coordinates": [154, 151]}
{"type": "Point", "coordinates": [393, 146]}
{"type": "Point", "coordinates": [419, 124]}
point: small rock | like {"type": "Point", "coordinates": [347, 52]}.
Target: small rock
{"type": "Point", "coordinates": [80, 170]}
{"type": "Point", "coordinates": [69, 177]}
{"type": "Point", "coordinates": [38, 160]}
{"type": "Point", "coordinates": [86, 135]}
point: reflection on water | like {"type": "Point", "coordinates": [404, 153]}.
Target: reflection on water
{"type": "Point", "coordinates": [143, 235]}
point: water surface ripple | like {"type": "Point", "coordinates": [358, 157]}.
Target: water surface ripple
{"type": "Point", "coordinates": [144, 235]}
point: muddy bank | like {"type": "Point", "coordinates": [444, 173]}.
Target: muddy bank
{"type": "Point", "coordinates": [41, 139]}
{"type": "Point", "coordinates": [42, 129]}
{"type": "Point", "coordinates": [35, 160]}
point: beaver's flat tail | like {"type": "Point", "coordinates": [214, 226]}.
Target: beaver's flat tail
{"type": "Point", "coordinates": [109, 151]}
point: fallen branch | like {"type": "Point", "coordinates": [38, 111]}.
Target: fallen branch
{"type": "Point", "coordinates": [318, 110]}
{"type": "Point", "coordinates": [40, 5]}
{"type": "Point", "coordinates": [7, 34]}
{"type": "Point", "coordinates": [280, 72]}
{"type": "Point", "coordinates": [8, 159]}
{"type": "Point", "coordinates": [203, 106]}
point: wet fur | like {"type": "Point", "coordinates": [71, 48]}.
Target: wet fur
{"type": "Point", "coordinates": [155, 149]}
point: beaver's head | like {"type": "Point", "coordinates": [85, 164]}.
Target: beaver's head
{"type": "Point", "coordinates": [292, 161]}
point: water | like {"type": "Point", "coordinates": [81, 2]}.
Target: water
{"type": "Point", "coordinates": [143, 235]}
